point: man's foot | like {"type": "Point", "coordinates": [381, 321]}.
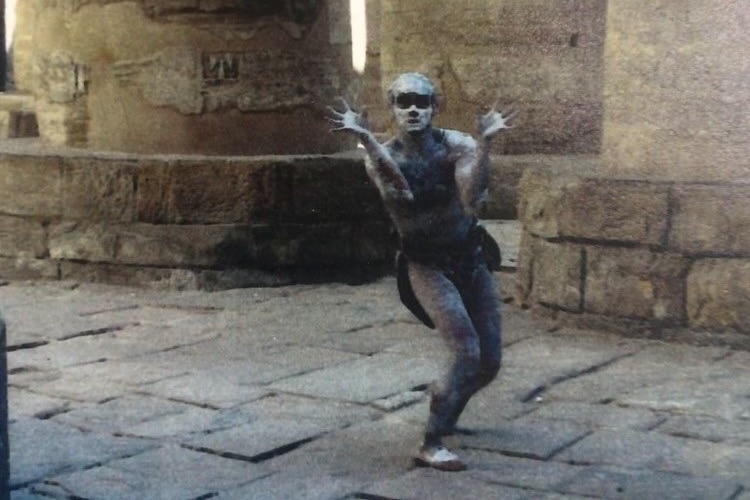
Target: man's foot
{"type": "Point", "coordinates": [438, 457]}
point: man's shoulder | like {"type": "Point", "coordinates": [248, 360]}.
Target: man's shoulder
{"type": "Point", "coordinates": [455, 139]}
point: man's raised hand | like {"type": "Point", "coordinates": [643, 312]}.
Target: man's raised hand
{"type": "Point", "coordinates": [493, 122]}
{"type": "Point", "coordinates": [348, 120]}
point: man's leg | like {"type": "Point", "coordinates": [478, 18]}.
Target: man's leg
{"type": "Point", "coordinates": [482, 302]}
{"type": "Point", "coordinates": [444, 304]}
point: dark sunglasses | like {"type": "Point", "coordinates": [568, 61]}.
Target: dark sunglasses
{"type": "Point", "coordinates": [409, 99]}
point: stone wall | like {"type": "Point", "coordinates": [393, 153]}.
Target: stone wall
{"type": "Point", "coordinates": [208, 77]}
{"type": "Point", "coordinates": [546, 57]}
{"type": "Point", "coordinates": [664, 259]}
{"type": "Point", "coordinates": [187, 221]}
{"type": "Point", "coordinates": [676, 90]}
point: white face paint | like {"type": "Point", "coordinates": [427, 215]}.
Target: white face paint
{"type": "Point", "coordinates": [412, 108]}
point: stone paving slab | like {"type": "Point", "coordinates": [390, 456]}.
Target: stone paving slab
{"type": "Point", "coordinates": [320, 392]}
{"type": "Point", "coordinates": [170, 472]}
{"type": "Point", "coordinates": [41, 448]}
{"type": "Point", "coordinates": [363, 380]}
{"type": "Point", "coordinates": [648, 485]}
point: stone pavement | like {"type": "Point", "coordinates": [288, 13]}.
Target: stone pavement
{"type": "Point", "coordinates": [318, 392]}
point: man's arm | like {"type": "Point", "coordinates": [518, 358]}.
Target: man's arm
{"type": "Point", "coordinates": [472, 164]}
{"type": "Point", "coordinates": [381, 167]}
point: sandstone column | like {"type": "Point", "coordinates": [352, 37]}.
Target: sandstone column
{"type": "Point", "coordinates": [217, 77]}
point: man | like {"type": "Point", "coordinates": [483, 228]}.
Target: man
{"type": "Point", "coordinates": [432, 182]}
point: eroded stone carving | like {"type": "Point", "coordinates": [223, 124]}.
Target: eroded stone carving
{"type": "Point", "coordinates": [193, 82]}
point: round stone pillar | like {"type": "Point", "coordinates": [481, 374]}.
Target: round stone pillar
{"type": "Point", "coordinates": [186, 76]}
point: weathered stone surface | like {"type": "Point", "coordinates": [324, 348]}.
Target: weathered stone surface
{"type": "Point", "coordinates": [653, 451]}
{"type": "Point", "coordinates": [675, 93]}
{"type": "Point", "coordinates": [618, 483]}
{"type": "Point", "coordinates": [594, 209]}
{"type": "Point", "coordinates": [635, 283]}
{"type": "Point", "coordinates": [96, 190]}
{"type": "Point", "coordinates": [21, 236]}
{"type": "Point", "coordinates": [711, 220]}
{"type": "Point", "coordinates": [708, 428]}
{"type": "Point", "coordinates": [718, 294]}
{"type": "Point", "coordinates": [363, 380]}
{"type": "Point", "coordinates": [544, 57]}
{"type": "Point", "coordinates": [206, 389]}
{"type": "Point", "coordinates": [115, 416]}
{"type": "Point", "coordinates": [31, 188]}
{"type": "Point", "coordinates": [597, 416]}
{"type": "Point", "coordinates": [35, 456]}
{"type": "Point", "coordinates": [429, 483]}
{"type": "Point", "coordinates": [220, 78]}
{"type": "Point", "coordinates": [557, 275]}
{"type": "Point", "coordinates": [536, 439]}
{"type": "Point", "coordinates": [697, 398]}
{"type": "Point", "coordinates": [168, 472]}
{"type": "Point", "coordinates": [519, 472]}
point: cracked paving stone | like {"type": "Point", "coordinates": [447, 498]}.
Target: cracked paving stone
{"type": "Point", "coordinates": [654, 364]}
{"type": "Point", "coordinates": [297, 485]}
{"type": "Point", "coordinates": [363, 380]}
{"type": "Point", "coordinates": [41, 448]}
{"type": "Point", "coordinates": [725, 397]}
{"type": "Point", "coordinates": [27, 404]}
{"type": "Point", "coordinates": [648, 485]}
{"type": "Point", "coordinates": [656, 451]}
{"type": "Point", "coordinates": [435, 485]}
{"type": "Point", "coordinates": [167, 472]}
{"type": "Point", "coordinates": [597, 416]}
{"type": "Point", "coordinates": [517, 472]}
{"type": "Point", "coordinates": [98, 381]}
{"type": "Point", "coordinates": [538, 439]}
{"type": "Point", "coordinates": [376, 338]}
{"type": "Point", "coordinates": [399, 401]}
{"type": "Point", "coordinates": [121, 413]}
{"type": "Point", "coordinates": [363, 452]}
{"type": "Point", "coordinates": [205, 388]}
{"type": "Point", "coordinates": [708, 428]}
{"type": "Point", "coordinates": [262, 438]}
{"type": "Point", "coordinates": [127, 343]}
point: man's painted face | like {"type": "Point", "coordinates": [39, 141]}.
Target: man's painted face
{"type": "Point", "coordinates": [412, 104]}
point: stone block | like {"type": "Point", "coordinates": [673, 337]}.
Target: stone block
{"type": "Point", "coordinates": [635, 283]}
{"type": "Point", "coordinates": [557, 275]}
{"type": "Point", "coordinates": [718, 294]}
{"type": "Point", "coordinates": [594, 209]}
{"type": "Point", "coordinates": [711, 219]}
{"type": "Point", "coordinates": [93, 189]}
{"type": "Point", "coordinates": [334, 188]}
{"type": "Point", "coordinates": [22, 236]}
{"type": "Point", "coordinates": [31, 185]}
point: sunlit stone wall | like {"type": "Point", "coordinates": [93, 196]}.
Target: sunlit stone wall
{"type": "Point", "coordinates": [186, 76]}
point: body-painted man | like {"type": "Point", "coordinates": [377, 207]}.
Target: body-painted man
{"type": "Point", "coordinates": [432, 182]}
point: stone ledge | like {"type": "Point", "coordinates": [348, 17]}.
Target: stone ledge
{"type": "Point", "coordinates": [650, 256]}
{"type": "Point", "coordinates": [103, 213]}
